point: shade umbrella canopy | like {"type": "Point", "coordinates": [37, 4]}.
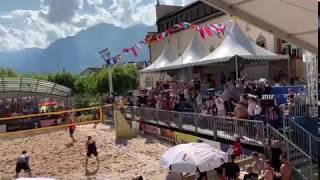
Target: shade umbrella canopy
{"type": "Point", "coordinates": [295, 21]}
{"type": "Point", "coordinates": [236, 43]}
{"type": "Point", "coordinates": [192, 156]}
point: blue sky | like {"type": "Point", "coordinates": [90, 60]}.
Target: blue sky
{"type": "Point", "coordinates": [37, 23]}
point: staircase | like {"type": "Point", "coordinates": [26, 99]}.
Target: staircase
{"type": "Point", "coordinates": [304, 166]}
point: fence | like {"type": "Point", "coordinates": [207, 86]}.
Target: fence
{"type": "Point", "coordinates": [301, 161]}
{"type": "Point", "coordinates": [250, 131]}
{"type": "Point", "coordinates": [303, 139]}
{"type": "Point", "coordinates": [51, 120]}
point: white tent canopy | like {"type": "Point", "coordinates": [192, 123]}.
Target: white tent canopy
{"type": "Point", "coordinates": [195, 51]}
{"type": "Point", "coordinates": [236, 43]}
{"type": "Point", "coordinates": [169, 54]}
{"type": "Point", "coordinates": [169, 58]}
{"type": "Point", "coordinates": [295, 21]}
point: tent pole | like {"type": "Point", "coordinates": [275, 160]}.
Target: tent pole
{"type": "Point", "coordinates": [237, 70]}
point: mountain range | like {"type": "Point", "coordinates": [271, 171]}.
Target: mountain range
{"type": "Point", "coordinates": [78, 52]}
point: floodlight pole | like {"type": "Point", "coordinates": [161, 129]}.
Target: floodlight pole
{"type": "Point", "coordinates": [105, 55]}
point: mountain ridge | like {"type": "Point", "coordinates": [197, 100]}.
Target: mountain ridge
{"type": "Point", "coordinates": [76, 53]}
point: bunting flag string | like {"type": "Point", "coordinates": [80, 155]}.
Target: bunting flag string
{"type": "Point", "coordinates": [114, 60]}
{"type": "Point", "coordinates": [205, 32]}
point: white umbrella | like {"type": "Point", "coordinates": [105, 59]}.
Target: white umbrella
{"type": "Point", "coordinates": [192, 156]}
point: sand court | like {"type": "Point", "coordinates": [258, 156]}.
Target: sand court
{"type": "Point", "coordinates": [53, 155]}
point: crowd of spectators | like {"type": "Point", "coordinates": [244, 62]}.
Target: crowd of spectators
{"type": "Point", "coordinates": [18, 106]}
{"type": "Point", "coordinates": [240, 98]}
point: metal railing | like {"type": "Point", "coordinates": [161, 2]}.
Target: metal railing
{"type": "Point", "coordinates": [250, 131]}
{"type": "Point", "coordinates": [302, 138]}
{"type": "Point", "coordinates": [300, 160]}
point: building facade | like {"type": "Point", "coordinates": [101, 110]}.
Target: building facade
{"type": "Point", "coordinates": [201, 13]}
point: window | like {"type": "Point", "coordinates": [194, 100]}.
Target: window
{"type": "Point", "coordinates": [207, 9]}
{"type": "Point", "coordinates": [183, 17]}
{"type": "Point", "coordinates": [193, 14]}
{"type": "Point", "coordinates": [261, 41]}
{"type": "Point", "coordinates": [187, 16]}
{"type": "Point", "coordinates": [201, 11]}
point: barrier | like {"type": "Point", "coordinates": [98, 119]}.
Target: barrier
{"type": "Point", "coordinates": [251, 131]}
{"type": "Point", "coordinates": [299, 160]}
{"type": "Point", "coordinates": [36, 122]}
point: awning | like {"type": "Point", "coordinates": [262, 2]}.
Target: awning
{"type": "Point", "coordinates": [295, 21]}
{"type": "Point", "coordinates": [236, 43]}
{"type": "Point", "coordinates": [169, 54]}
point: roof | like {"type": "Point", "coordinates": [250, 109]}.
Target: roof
{"type": "Point", "coordinates": [29, 85]}
{"type": "Point", "coordinates": [90, 70]}
{"type": "Point", "coordinates": [236, 43]}
{"type": "Point", "coordinates": [295, 21]}
{"type": "Point", "coordinates": [182, 8]}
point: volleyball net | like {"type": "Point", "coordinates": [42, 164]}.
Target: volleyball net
{"type": "Point", "coordinates": [35, 122]}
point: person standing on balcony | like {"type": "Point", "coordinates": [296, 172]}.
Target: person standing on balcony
{"type": "Point", "coordinates": [220, 106]}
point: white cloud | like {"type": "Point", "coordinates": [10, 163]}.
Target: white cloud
{"type": "Point", "coordinates": [61, 18]}
{"type": "Point", "coordinates": [60, 11]}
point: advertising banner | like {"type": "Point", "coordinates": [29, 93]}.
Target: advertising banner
{"type": "Point", "coordinates": [281, 92]}
{"type": "Point", "coordinates": [151, 129]}
{"type": "Point", "coordinates": [167, 134]}
{"type": "Point", "coordinates": [49, 122]}
{"type": "Point", "coordinates": [180, 138]}
{"type": "Point", "coordinates": [3, 128]}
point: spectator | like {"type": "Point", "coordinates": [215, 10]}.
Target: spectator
{"type": "Point", "coordinates": [267, 172]}
{"type": "Point", "coordinates": [219, 172]}
{"type": "Point", "coordinates": [257, 163]}
{"type": "Point", "coordinates": [250, 174]}
{"type": "Point", "coordinates": [267, 88]}
{"type": "Point", "coordinates": [285, 169]}
{"type": "Point", "coordinates": [236, 147]}
{"type": "Point", "coordinates": [251, 106]}
{"type": "Point", "coordinates": [199, 102]}
{"type": "Point", "coordinates": [220, 106]}
{"type": "Point", "coordinates": [173, 175]}
{"type": "Point", "coordinates": [257, 111]}
{"type": "Point", "coordinates": [231, 169]}
{"type": "Point", "coordinates": [240, 111]}
{"type": "Point", "coordinates": [275, 155]}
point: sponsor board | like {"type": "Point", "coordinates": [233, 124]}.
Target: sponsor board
{"type": "Point", "coordinates": [151, 129]}
{"type": "Point", "coordinates": [180, 138]}
{"type": "Point", "coordinates": [49, 122]}
{"type": "Point", "coordinates": [167, 134]}
{"type": "Point", "coordinates": [3, 128]}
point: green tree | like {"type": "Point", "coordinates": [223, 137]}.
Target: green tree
{"type": "Point", "coordinates": [7, 73]}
